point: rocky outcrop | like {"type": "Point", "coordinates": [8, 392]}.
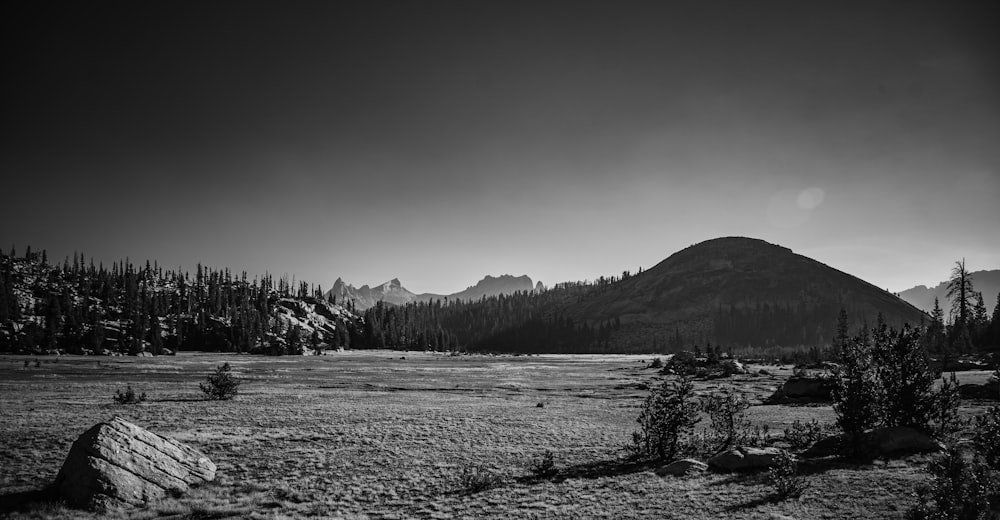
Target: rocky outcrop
{"type": "Point", "coordinates": [117, 463]}
{"type": "Point", "coordinates": [880, 442]}
{"type": "Point", "coordinates": [746, 458]}
{"type": "Point", "coordinates": [800, 389]}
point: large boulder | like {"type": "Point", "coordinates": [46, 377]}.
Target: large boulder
{"type": "Point", "coordinates": [117, 463]}
{"type": "Point", "coordinates": [989, 390]}
{"type": "Point", "coordinates": [682, 467]}
{"type": "Point", "coordinates": [827, 447]}
{"type": "Point", "coordinates": [887, 442]}
{"type": "Point", "coordinates": [803, 389]}
{"type": "Point", "coordinates": [880, 442]}
{"type": "Point", "coordinates": [746, 458]}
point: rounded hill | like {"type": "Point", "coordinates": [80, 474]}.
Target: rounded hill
{"type": "Point", "coordinates": [739, 290]}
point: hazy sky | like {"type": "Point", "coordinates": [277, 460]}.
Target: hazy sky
{"type": "Point", "coordinates": [438, 142]}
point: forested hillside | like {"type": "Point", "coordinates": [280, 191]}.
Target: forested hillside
{"type": "Point", "coordinates": [77, 307]}
{"type": "Point", "coordinates": [734, 292]}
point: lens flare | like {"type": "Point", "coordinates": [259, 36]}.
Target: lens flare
{"type": "Point", "coordinates": [810, 198]}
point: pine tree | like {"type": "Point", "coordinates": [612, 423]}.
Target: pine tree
{"type": "Point", "coordinates": [842, 340]}
{"type": "Point", "coordinates": [980, 321]}
{"type": "Point", "coordinates": [960, 292]}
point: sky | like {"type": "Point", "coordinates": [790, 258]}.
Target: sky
{"type": "Point", "coordinates": [438, 142]}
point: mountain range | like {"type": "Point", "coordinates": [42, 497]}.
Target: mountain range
{"type": "Point", "coordinates": [394, 293]}
{"type": "Point", "coordinates": [986, 282]}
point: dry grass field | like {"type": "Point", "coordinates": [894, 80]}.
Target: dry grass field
{"type": "Point", "coordinates": [388, 435]}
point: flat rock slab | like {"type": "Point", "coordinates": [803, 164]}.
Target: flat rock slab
{"type": "Point", "coordinates": [682, 467]}
{"type": "Point", "coordinates": [746, 458]}
{"type": "Point", "coordinates": [117, 464]}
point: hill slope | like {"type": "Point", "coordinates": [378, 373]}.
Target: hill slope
{"type": "Point", "coordinates": [737, 290]}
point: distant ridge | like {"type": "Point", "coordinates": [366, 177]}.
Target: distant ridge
{"type": "Point", "coordinates": [986, 282]}
{"type": "Point", "coordinates": [394, 293]}
{"type": "Point", "coordinates": [488, 286]}
{"type": "Point", "coordinates": [365, 297]}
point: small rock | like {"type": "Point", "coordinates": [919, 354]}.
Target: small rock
{"type": "Point", "coordinates": [682, 467]}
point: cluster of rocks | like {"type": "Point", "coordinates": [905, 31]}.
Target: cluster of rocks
{"type": "Point", "coordinates": [877, 443]}
{"type": "Point", "coordinates": [118, 464]}
{"type": "Point", "coordinates": [737, 459]}
{"type": "Point", "coordinates": [686, 363]}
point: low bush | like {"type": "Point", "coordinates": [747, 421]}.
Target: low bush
{"type": "Point", "coordinates": [803, 435]}
{"type": "Point", "coordinates": [987, 437]}
{"type": "Point", "coordinates": [785, 479]}
{"type": "Point", "coordinates": [681, 363]}
{"type": "Point", "coordinates": [944, 415]}
{"type": "Point", "coordinates": [475, 478]}
{"type": "Point", "coordinates": [666, 421]}
{"type": "Point", "coordinates": [960, 489]}
{"type": "Point", "coordinates": [729, 424]}
{"type": "Point", "coordinates": [544, 466]}
{"type": "Point", "coordinates": [222, 385]}
{"type": "Point", "coordinates": [129, 396]}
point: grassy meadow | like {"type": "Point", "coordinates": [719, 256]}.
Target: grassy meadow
{"type": "Point", "coordinates": [381, 434]}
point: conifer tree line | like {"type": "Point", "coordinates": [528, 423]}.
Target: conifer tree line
{"type": "Point", "coordinates": [530, 322]}
{"type": "Point", "coordinates": [522, 322]}
{"type": "Point", "coordinates": [77, 307]}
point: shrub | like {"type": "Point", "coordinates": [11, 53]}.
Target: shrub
{"type": "Point", "coordinates": [475, 478]}
{"type": "Point", "coordinates": [544, 466]}
{"type": "Point", "coordinates": [803, 435]}
{"type": "Point", "coordinates": [129, 396]}
{"type": "Point", "coordinates": [987, 436]}
{"type": "Point", "coordinates": [222, 385]}
{"type": "Point", "coordinates": [784, 478]}
{"type": "Point", "coordinates": [960, 489]}
{"type": "Point", "coordinates": [857, 392]}
{"type": "Point", "coordinates": [885, 380]}
{"type": "Point", "coordinates": [729, 423]}
{"type": "Point", "coordinates": [667, 419]}
{"type": "Point", "coordinates": [657, 363]}
{"type": "Point", "coordinates": [945, 413]}
{"type": "Point", "coordinates": [682, 363]}
{"type": "Point", "coordinates": [907, 380]}
{"type": "Point", "coordinates": [730, 367]}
